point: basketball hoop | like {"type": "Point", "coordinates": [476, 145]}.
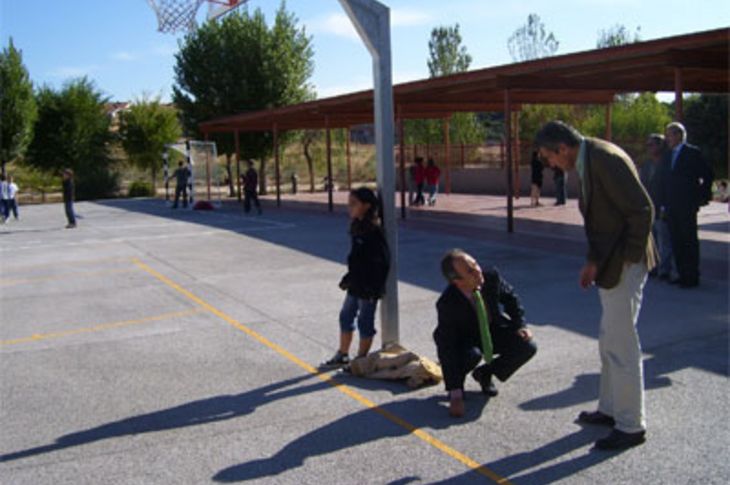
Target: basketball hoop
{"type": "Point", "coordinates": [179, 15]}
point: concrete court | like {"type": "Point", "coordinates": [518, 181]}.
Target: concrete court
{"type": "Point", "coordinates": [125, 358]}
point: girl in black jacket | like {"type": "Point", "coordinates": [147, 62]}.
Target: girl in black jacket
{"type": "Point", "coordinates": [367, 265]}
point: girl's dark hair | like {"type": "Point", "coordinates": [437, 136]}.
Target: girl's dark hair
{"type": "Point", "coordinates": [372, 216]}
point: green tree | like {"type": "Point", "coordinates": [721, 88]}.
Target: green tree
{"type": "Point", "coordinates": [617, 35]}
{"type": "Point", "coordinates": [72, 130]}
{"type": "Point", "coordinates": [532, 41]}
{"type": "Point", "coordinates": [706, 119]}
{"type": "Point", "coordinates": [240, 64]}
{"type": "Point", "coordinates": [17, 106]}
{"type": "Point", "coordinates": [145, 128]}
{"type": "Point", "coordinates": [447, 56]}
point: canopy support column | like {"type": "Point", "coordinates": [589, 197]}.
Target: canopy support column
{"type": "Point", "coordinates": [349, 159]}
{"type": "Point", "coordinates": [372, 22]}
{"type": "Point", "coordinates": [508, 147]}
{"type": "Point", "coordinates": [238, 164]}
{"type": "Point", "coordinates": [402, 173]}
{"type": "Point", "coordinates": [678, 93]}
{"type": "Point", "coordinates": [330, 184]}
{"type": "Point", "coordinates": [276, 166]}
{"type": "Point", "coordinates": [447, 154]}
{"type": "Point", "coordinates": [516, 154]}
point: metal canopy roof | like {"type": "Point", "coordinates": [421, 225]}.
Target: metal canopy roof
{"type": "Point", "coordinates": [692, 63]}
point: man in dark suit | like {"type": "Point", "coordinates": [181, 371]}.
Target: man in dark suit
{"type": "Point", "coordinates": [458, 335]}
{"type": "Point", "coordinates": [618, 216]}
{"type": "Point", "coordinates": [686, 186]}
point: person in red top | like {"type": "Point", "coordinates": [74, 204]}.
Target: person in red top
{"type": "Point", "coordinates": [419, 177]}
{"type": "Point", "coordinates": [433, 174]}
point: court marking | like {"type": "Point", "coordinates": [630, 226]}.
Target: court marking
{"type": "Point", "coordinates": [343, 388]}
{"type": "Point", "coordinates": [61, 276]}
{"type": "Point", "coordinates": [100, 327]}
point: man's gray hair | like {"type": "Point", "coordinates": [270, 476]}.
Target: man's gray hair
{"type": "Point", "coordinates": [678, 127]}
{"type": "Point", "coordinates": [656, 138]}
{"type": "Point", "coordinates": [447, 264]}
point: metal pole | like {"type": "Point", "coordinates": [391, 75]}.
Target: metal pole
{"type": "Point", "coordinates": [191, 180]}
{"type": "Point", "coordinates": [238, 164]}
{"type": "Point", "coordinates": [349, 160]}
{"type": "Point", "coordinates": [372, 21]}
{"type": "Point", "coordinates": [276, 166]}
{"type": "Point", "coordinates": [678, 92]}
{"type": "Point", "coordinates": [508, 146]}
{"type": "Point", "coordinates": [517, 155]}
{"type": "Point", "coordinates": [402, 150]}
{"type": "Point", "coordinates": [447, 153]}
{"type": "Point", "coordinates": [330, 201]}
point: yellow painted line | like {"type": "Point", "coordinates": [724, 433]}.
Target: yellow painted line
{"type": "Point", "coordinates": [348, 391]}
{"type": "Point", "coordinates": [98, 328]}
{"type": "Point", "coordinates": [61, 276]}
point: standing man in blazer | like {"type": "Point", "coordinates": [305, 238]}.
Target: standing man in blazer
{"type": "Point", "coordinates": [618, 216]}
{"type": "Point", "coordinates": [686, 186]}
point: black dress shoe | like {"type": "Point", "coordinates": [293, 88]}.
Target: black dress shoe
{"type": "Point", "coordinates": [618, 440]}
{"type": "Point", "coordinates": [484, 378]}
{"type": "Point", "coordinates": [596, 417]}
{"type": "Point", "coordinates": [689, 284]}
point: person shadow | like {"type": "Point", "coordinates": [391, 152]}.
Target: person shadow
{"type": "Point", "coordinates": [356, 429]}
{"type": "Point", "coordinates": [209, 410]}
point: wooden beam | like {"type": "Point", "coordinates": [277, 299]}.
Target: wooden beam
{"type": "Point", "coordinates": [508, 146]}
{"type": "Point", "coordinates": [330, 182]}
{"type": "Point", "coordinates": [447, 154]}
{"type": "Point", "coordinates": [276, 165]}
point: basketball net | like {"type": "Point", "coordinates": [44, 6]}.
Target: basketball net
{"type": "Point", "coordinates": [175, 15]}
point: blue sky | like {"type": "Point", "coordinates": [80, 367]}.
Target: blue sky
{"type": "Point", "coordinates": [115, 42]}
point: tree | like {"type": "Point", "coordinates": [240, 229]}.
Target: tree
{"type": "Point", "coordinates": [145, 128]}
{"type": "Point", "coordinates": [447, 56]}
{"type": "Point", "coordinates": [706, 119]}
{"type": "Point", "coordinates": [72, 130]}
{"type": "Point", "coordinates": [532, 41]}
{"type": "Point", "coordinates": [17, 106]}
{"type": "Point", "coordinates": [617, 35]}
{"type": "Point", "coordinates": [240, 64]}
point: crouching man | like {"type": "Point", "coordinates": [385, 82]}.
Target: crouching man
{"type": "Point", "coordinates": [479, 317]}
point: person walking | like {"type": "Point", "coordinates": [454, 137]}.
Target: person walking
{"type": "Point", "coordinates": [3, 199]}
{"type": "Point", "coordinates": [560, 179]}
{"type": "Point", "coordinates": [419, 175]}
{"type": "Point", "coordinates": [618, 216]}
{"type": "Point", "coordinates": [181, 176]}
{"type": "Point", "coordinates": [68, 197]}
{"type": "Point", "coordinates": [367, 269]}
{"type": "Point", "coordinates": [650, 174]}
{"type": "Point", "coordinates": [11, 201]}
{"type": "Point", "coordinates": [536, 179]}
{"type": "Point", "coordinates": [250, 189]}
{"type": "Point", "coordinates": [686, 186]}
{"type": "Point", "coordinates": [432, 175]}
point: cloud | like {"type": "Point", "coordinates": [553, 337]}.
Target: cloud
{"type": "Point", "coordinates": [124, 56]}
{"type": "Point", "coordinates": [73, 71]}
{"type": "Point", "coordinates": [362, 84]}
{"type": "Point", "coordinates": [339, 24]}
{"type": "Point", "coordinates": [408, 17]}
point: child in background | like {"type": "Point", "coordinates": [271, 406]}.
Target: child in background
{"type": "Point", "coordinates": [433, 176]}
{"type": "Point", "coordinates": [11, 201]}
{"type": "Point", "coordinates": [368, 265]}
{"type": "Point", "coordinates": [3, 199]}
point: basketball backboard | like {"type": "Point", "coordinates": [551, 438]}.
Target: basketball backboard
{"type": "Point", "coordinates": [218, 8]}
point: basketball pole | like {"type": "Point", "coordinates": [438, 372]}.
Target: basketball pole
{"type": "Point", "coordinates": [372, 22]}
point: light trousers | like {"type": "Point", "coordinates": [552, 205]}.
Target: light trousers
{"type": "Point", "coordinates": [621, 392]}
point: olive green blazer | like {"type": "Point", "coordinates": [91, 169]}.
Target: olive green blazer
{"type": "Point", "coordinates": [617, 211]}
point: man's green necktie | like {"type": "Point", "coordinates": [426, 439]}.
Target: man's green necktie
{"type": "Point", "coordinates": [487, 348]}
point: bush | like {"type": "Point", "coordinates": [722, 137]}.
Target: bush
{"type": "Point", "coordinates": [140, 188]}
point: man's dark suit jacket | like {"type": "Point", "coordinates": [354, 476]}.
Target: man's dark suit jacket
{"type": "Point", "coordinates": [617, 210]}
{"type": "Point", "coordinates": [688, 186]}
{"type": "Point", "coordinates": [458, 324]}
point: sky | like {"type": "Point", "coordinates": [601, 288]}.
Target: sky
{"type": "Point", "coordinates": [116, 44]}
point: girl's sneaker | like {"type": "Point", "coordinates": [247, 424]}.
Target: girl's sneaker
{"type": "Point", "coordinates": [337, 361]}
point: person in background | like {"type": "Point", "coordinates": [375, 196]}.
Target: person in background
{"type": "Point", "coordinates": [479, 315]}
{"type": "Point", "coordinates": [181, 176]}
{"type": "Point", "coordinates": [560, 178]}
{"type": "Point", "coordinates": [650, 176]}
{"type": "Point", "coordinates": [11, 201]}
{"type": "Point", "coordinates": [250, 189]}
{"type": "Point", "coordinates": [367, 270]}
{"type": "Point", "coordinates": [419, 175]}
{"type": "Point", "coordinates": [722, 194]}
{"type": "Point", "coordinates": [68, 197]}
{"type": "Point", "coordinates": [686, 186]}
{"type": "Point", "coordinates": [618, 216]}
{"type": "Point", "coordinates": [433, 176]}
{"type": "Point", "coordinates": [411, 184]}
{"type": "Point", "coordinates": [3, 198]}
{"type": "Point", "coordinates": [536, 178]}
